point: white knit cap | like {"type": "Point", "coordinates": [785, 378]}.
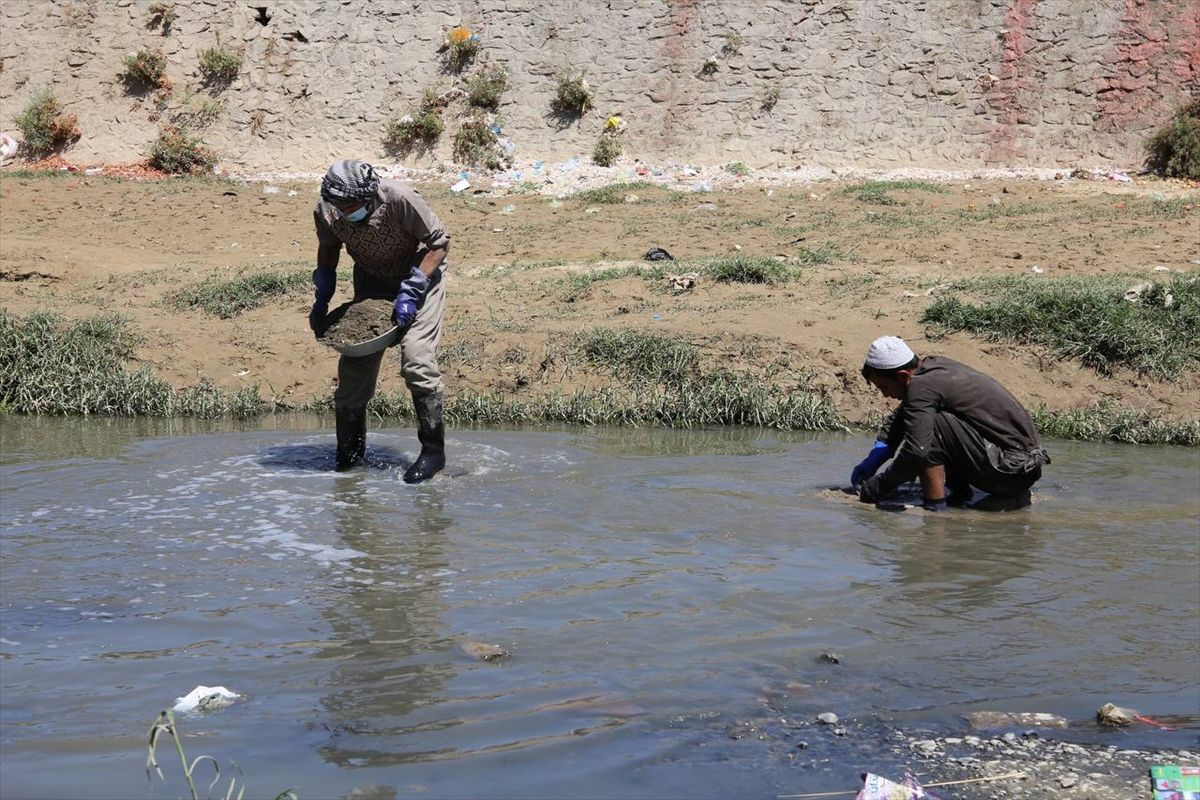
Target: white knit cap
{"type": "Point", "coordinates": [889, 352]}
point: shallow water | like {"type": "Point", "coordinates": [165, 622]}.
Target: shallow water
{"type": "Point", "coordinates": [656, 589]}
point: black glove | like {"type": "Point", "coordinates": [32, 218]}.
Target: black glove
{"type": "Point", "coordinates": [871, 490]}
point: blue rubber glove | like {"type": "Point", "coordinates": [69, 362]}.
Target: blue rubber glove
{"type": "Point", "coordinates": [411, 296]}
{"type": "Point", "coordinates": [878, 456]}
{"type": "Point", "coordinates": [324, 285]}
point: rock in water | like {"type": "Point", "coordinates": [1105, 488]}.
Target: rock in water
{"type": "Point", "coordinates": [481, 651]}
{"type": "Point", "coordinates": [1114, 715]}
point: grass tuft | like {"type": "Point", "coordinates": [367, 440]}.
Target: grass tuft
{"type": "Point", "coordinates": [219, 65]}
{"type": "Point", "coordinates": [227, 298]}
{"type": "Point", "coordinates": [572, 95]}
{"type": "Point", "coordinates": [179, 152]}
{"type": "Point", "coordinates": [146, 69]}
{"type": "Point", "coordinates": [48, 366]}
{"type": "Point", "coordinates": [1106, 421]}
{"type": "Point", "coordinates": [486, 87]}
{"type": "Point", "coordinates": [422, 128]}
{"type": "Point", "coordinates": [1174, 151]}
{"type": "Point", "coordinates": [641, 357]}
{"type": "Point", "coordinates": [476, 144]}
{"type": "Point", "coordinates": [614, 193]}
{"type": "Point", "coordinates": [44, 128]}
{"type": "Point", "coordinates": [747, 269]}
{"type": "Point", "coordinates": [607, 150]}
{"type": "Point", "coordinates": [1085, 319]}
{"type": "Point", "coordinates": [879, 192]}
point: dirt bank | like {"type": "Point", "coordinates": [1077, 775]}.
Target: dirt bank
{"type": "Point", "coordinates": [81, 245]}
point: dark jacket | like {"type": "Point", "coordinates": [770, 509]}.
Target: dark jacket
{"type": "Point", "coordinates": [940, 385]}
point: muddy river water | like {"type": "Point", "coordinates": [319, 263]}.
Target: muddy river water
{"type": "Point", "coordinates": [656, 590]}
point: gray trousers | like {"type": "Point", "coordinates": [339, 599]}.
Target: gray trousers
{"type": "Point", "coordinates": [971, 459]}
{"type": "Point", "coordinates": [358, 376]}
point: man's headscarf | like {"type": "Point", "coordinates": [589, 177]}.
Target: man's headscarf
{"type": "Point", "coordinates": [348, 181]}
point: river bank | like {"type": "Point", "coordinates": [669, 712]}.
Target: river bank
{"type": "Point", "coordinates": [820, 268]}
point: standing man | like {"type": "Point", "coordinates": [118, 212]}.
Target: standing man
{"type": "Point", "coordinates": [399, 250]}
{"type": "Point", "coordinates": [955, 427]}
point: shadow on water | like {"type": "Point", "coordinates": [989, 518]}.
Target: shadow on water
{"type": "Point", "coordinates": [321, 458]}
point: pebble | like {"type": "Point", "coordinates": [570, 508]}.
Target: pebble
{"type": "Point", "coordinates": [1068, 780]}
{"type": "Point", "coordinates": [827, 718]}
{"type": "Point", "coordinates": [925, 747]}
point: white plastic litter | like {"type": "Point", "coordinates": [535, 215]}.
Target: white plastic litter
{"type": "Point", "coordinates": [8, 147]}
{"type": "Point", "coordinates": [204, 698]}
{"type": "Point", "coordinates": [460, 186]}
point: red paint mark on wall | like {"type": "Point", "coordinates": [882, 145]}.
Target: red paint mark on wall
{"type": "Point", "coordinates": [1187, 65]}
{"type": "Point", "coordinates": [676, 48]}
{"type": "Point", "coordinates": [1012, 81]}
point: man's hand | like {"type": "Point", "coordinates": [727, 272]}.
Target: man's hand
{"type": "Point", "coordinates": [411, 296]}
{"type": "Point", "coordinates": [869, 491]}
{"type": "Point", "coordinates": [316, 317]}
{"type": "Point", "coordinates": [878, 456]}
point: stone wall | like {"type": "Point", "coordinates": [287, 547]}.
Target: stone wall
{"type": "Point", "coordinates": [933, 83]}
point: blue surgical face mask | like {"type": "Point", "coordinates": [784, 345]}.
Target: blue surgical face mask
{"type": "Point", "coordinates": [356, 216]}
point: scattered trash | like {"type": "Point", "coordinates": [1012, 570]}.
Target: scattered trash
{"type": "Point", "coordinates": [497, 230]}
{"type": "Point", "coordinates": [827, 718]}
{"type": "Point", "coordinates": [702, 186]}
{"type": "Point", "coordinates": [460, 186]}
{"type": "Point", "coordinates": [829, 658]}
{"type": "Point", "coordinates": [1168, 269]}
{"type": "Point", "coordinates": [508, 209]}
{"type": "Point", "coordinates": [876, 787]}
{"type": "Point", "coordinates": [1174, 782]}
{"type": "Point", "coordinates": [658, 254]}
{"type": "Point", "coordinates": [292, 193]}
{"type": "Point", "coordinates": [1100, 174]}
{"type": "Point", "coordinates": [614, 124]}
{"type": "Point", "coordinates": [1035, 269]}
{"type": "Point", "coordinates": [8, 147]}
{"type": "Point", "coordinates": [206, 698]}
{"type": "Point", "coordinates": [707, 207]}
{"type": "Point", "coordinates": [684, 282]}
{"type": "Point", "coordinates": [1134, 295]}
{"type": "Point", "coordinates": [270, 190]}
{"type": "Point", "coordinates": [631, 198]}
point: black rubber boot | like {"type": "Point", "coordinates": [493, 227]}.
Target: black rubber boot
{"type": "Point", "coordinates": [959, 494]}
{"type": "Point", "coordinates": [432, 434]}
{"type": "Point", "coordinates": [351, 438]}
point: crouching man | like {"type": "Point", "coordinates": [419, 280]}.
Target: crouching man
{"type": "Point", "coordinates": [955, 429]}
